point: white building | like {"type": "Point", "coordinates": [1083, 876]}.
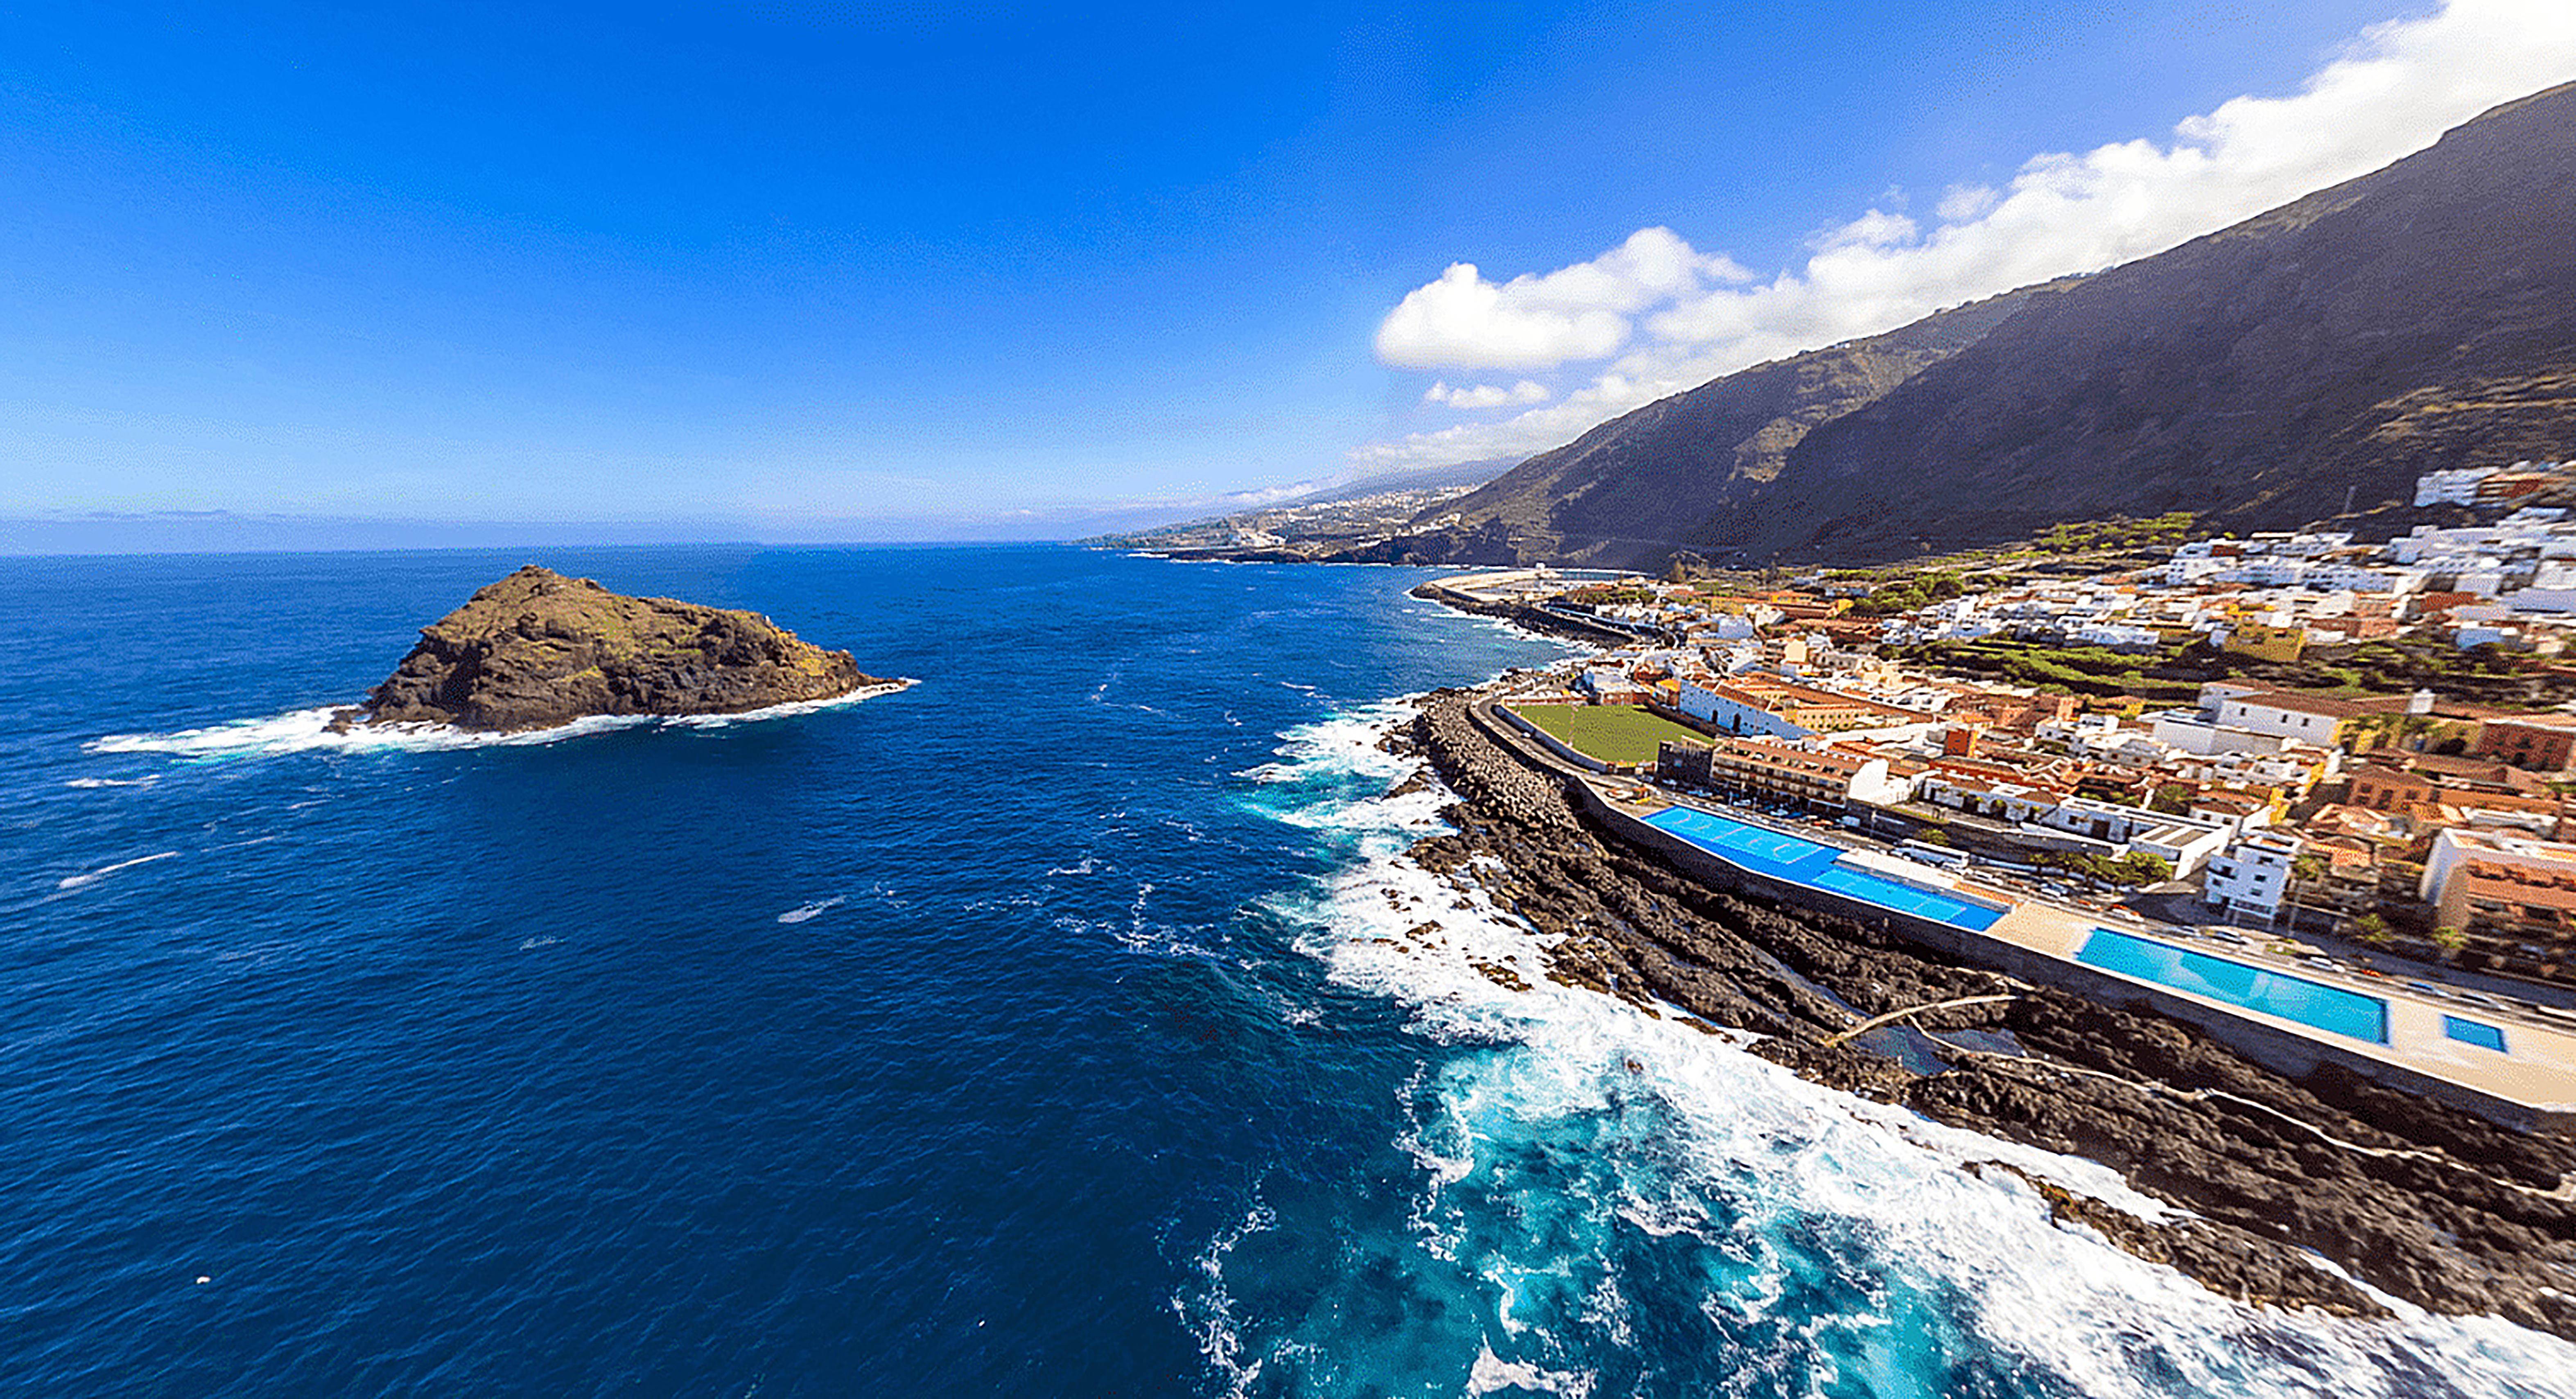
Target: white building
{"type": "Point", "coordinates": [2458, 486]}
{"type": "Point", "coordinates": [2193, 731]}
{"type": "Point", "coordinates": [2184, 841]}
{"type": "Point", "coordinates": [2252, 876]}
{"type": "Point", "coordinates": [2118, 636]}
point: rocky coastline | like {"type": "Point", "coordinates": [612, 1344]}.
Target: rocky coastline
{"type": "Point", "coordinates": [537, 650]}
{"type": "Point", "coordinates": [1523, 615]}
{"type": "Point", "coordinates": [2421, 1201]}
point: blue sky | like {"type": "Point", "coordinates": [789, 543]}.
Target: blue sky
{"type": "Point", "coordinates": [810, 271]}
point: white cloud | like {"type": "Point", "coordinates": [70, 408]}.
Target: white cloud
{"type": "Point", "coordinates": [1487, 395]}
{"type": "Point", "coordinates": [1961, 203]}
{"type": "Point", "coordinates": [2392, 92]}
{"type": "Point", "coordinates": [1463, 321]}
{"type": "Point", "coordinates": [1875, 229]}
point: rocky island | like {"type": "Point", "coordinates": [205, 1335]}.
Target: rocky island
{"type": "Point", "coordinates": [536, 650]}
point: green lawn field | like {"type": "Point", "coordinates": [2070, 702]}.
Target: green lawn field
{"type": "Point", "coordinates": [1614, 733]}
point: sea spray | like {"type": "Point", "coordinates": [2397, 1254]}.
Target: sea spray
{"type": "Point", "coordinates": [316, 730]}
{"type": "Point", "coordinates": [1611, 1201]}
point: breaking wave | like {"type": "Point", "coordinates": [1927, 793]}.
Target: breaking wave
{"type": "Point", "coordinates": [311, 731]}
{"type": "Point", "coordinates": [1606, 1200]}
{"type": "Point", "coordinates": [809, 911]}
{"type": "Point", "coordinates": [83, 881]}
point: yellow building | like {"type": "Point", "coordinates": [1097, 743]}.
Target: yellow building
{"type": "Point", "coordinates": [2266, 643]}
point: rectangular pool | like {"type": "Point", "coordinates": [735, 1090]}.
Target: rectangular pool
{"type": "Point", "coordinates": [1755, 848]}
{"type": "Point", "coordinates": [1811, 863]}
{"type": "Point", "coordinates": [2311, 1003]}
{"type": "Point", "coordinates": [1907, 898]}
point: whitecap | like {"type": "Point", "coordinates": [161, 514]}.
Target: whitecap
{"type": "Point", "coordinates": [1514, 630]}
{"type": "Point", "coordinates": [1210, 1315]}
{"type": "Point", "coordinates": [92, 783]}
{"type": "Point", "coordinates": [83, 881]}
{"type": "Point", "coordinates": [1492, 1374]}
{"type": "Point", "coordinates": [802, 912]}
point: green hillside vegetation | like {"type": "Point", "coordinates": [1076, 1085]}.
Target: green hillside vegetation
{"type": "Point", "coordinates": [2082, 670]}
{"type": "Point", "coordinates": [2161, 532]}
{"type": "Point", "coordinates": [1909, 592]}
{"type": "Point", "coordinates": [2175, 673]}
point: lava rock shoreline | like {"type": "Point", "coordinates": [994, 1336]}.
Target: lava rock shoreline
{"type": "Point", "coordinates": [2420, 1200]}
{"type": "Point", "coordinates": [537, 650]}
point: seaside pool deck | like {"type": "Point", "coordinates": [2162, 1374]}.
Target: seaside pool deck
{"type": "Point", "coordinates": [2505, 1062]}
{"type": "Point", "coordinates": [2434, 1038]}
{"type": "Point", "coordinates": [1820, 866]}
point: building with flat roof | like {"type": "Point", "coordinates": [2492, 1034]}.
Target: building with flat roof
{"type": "Point", "coordinates": [2538, 742]}
{"type": "Point", "coordinates": [1761, 704]}
{"type": "Point", "coordinates": [2252, 876]}
{"type": "Point", "coordinates": [2503, 889]}
{"type": "Point", "coordinates": [1791, 772]}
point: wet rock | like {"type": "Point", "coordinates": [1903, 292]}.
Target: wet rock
{"type": "Point", "coordinates": [2423, 1201]}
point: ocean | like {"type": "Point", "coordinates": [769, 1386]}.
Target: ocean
{"type": "Point", "coordinates": [1065, 1024]}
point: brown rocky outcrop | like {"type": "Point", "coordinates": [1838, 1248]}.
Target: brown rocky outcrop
{"type": "Point", "coordinates": [537, 649]}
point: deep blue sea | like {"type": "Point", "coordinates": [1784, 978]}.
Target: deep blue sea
{"type": "Point", "coordinates": [1066, 1024]}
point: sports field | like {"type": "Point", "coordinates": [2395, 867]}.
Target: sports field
{"type": "Point", "coordinates": [1614, 733]}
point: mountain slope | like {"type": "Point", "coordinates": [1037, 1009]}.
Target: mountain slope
{"type": "Point", "coordinates": [1613, 491]}
{"type": "Point", "coordinates": [2417, 317]}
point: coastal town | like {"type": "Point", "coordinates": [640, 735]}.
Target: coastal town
{"type": "Point", "coordinates": [2303, 790]}
{"type": "Point", "coordinates": [2025, 726]}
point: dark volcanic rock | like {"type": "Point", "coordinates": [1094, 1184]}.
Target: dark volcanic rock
{"type": "Point", "coordinates": [538, 649]}
{"type": "Point", "coordinates": [2424, 1201]}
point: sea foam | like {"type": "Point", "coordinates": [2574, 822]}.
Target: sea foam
{"type": "Point", "coordinates": [83, 881]}
{"type": "Point", "coordinates": [1579, 1158]}
{"type": "Point", "coordinates": [311, 731]}
{"type": "Point", "coordinates": [809, 911]}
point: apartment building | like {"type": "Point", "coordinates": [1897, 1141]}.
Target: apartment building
{"type": "Point", "coordinates": [1787, 772]}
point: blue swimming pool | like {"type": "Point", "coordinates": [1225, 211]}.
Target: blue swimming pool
{"type": "Point", "coordinates": [1815, 864]}
{"type": "Point", "coordinates": [2312, 1003]}
{"type": "Point", "coordinates": [2483, 1035]}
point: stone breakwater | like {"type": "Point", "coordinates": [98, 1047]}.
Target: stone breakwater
{"type": "Point", "coordinates": [2422, 1201]}
{"type": "Point", "coordinates": [1522, 615]}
